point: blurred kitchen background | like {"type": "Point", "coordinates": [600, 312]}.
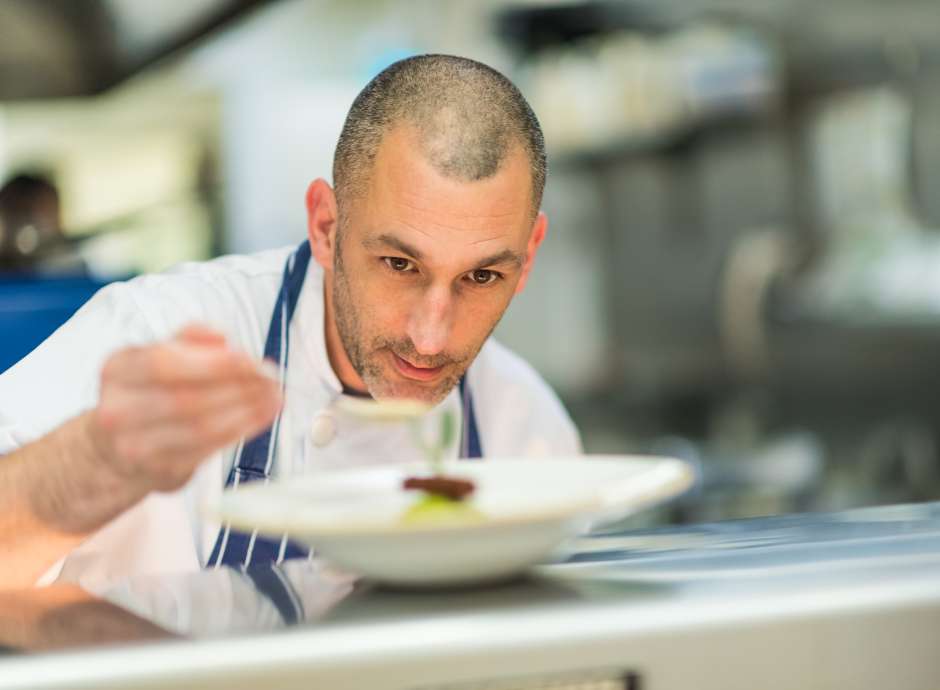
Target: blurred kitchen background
{"type": "Point", "coordinates": [743, 262]}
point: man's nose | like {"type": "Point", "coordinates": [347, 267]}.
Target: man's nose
{"type": "Point", "coordinates": [431, 320]}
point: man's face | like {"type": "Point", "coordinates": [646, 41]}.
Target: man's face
{"type": "Point", "coordinates": [424, 267]}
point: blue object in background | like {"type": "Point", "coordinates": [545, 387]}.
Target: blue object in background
{"type": "Point", "coordinates": [32, 307]}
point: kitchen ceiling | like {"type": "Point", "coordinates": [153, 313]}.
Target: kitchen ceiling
{"type": "Point", "coordinates": [69, 48]}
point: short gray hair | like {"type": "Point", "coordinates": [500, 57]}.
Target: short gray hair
{"type": "Point", "coordinates": [467, 116]}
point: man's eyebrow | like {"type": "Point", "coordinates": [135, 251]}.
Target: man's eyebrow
{"type": "Point", "coordinates": [507, 256]}
{"type": "Point", "coordinates": [392, 242]}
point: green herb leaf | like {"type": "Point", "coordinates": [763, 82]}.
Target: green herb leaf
{"type": "Point", "coordinates": [448, 430]}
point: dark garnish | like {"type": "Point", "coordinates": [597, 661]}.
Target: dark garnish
{"type": "Point", "coordinates": [439, 485]}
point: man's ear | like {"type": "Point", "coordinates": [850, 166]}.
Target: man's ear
{"type": "Point", "coordinates": [321, 221]}
{"type": "Point", "coordinates": [535, 239]}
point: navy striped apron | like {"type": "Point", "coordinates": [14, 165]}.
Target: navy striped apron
{"type": "Point", "coordinates": [254, 459]}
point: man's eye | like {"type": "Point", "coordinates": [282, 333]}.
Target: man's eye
{"type": "Point", "coordinates": [484, 277]}
{"type": "Point", "coordinates": [398, 264]}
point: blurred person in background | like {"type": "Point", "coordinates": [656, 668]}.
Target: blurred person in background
{"type": "Point", "coordinates": [30, 220]}
{"type": "Point", "coordinates": [151, 399]}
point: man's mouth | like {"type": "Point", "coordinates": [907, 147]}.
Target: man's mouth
{"type": "Point", "coordinates": [416, 373]}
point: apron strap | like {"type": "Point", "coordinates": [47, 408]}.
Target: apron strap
{"type": "Point", "coordinates": [470, 446]}
{"type": "Point", "coordinates": [254, 461]}
{"type": "Point", "coordinates": [254, 458]}
{"type": "Point", "coordinates": [270, 581]}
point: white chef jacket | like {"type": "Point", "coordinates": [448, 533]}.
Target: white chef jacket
{"type": "Point", "coordinates": [225, 601]}
{"type": "Point", "coordinates": [516, 412]}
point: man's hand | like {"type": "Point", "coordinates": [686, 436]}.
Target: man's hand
{"type": "Point", "coordinates": [165, 408]}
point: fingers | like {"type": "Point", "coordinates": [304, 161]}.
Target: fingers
{"type": "Point", "coordinates": [200, 436]}
{"type": "Point", "coordinates": [198, 334]}
{"type": "Point", "coordinates": [178, 362]}
{"type": "Point", "coordinates": [168, 456]}
{"type": "Point", "coordinates": [195, 354]}
{"type": "Point", "coordinates": [166, 453]}
{"type": "Point", "coordinates": [137, 407]}
{"type": "Point", "coordinates": [164, 408]}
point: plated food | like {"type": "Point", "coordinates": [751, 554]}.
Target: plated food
{"type": "Point", "coordinates": [520, 511]}
{"type": "Point", "coordinates": [444, 499]}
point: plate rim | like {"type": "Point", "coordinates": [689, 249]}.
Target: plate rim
{"type": "Point", "coordinates": [588, 508]}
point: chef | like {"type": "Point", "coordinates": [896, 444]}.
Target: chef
{"type": "Point", "coordinates": [151, 399]}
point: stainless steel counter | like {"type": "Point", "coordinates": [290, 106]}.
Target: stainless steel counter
{"type": "Point", "coordinates": [845, 600]}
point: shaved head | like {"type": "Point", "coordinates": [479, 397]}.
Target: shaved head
{"type": "Point", "coordinates": [467, 118]}
{"type": "Point", "coordinates": [430, 227]}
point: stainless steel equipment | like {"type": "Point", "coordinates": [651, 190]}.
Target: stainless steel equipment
{"type": "Point", "coordinates": [842, 600]}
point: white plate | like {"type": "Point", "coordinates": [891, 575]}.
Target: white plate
{"type": "Point", "coordinates": [529, 506]}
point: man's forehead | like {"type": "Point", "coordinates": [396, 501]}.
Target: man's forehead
{"type": "Point", "coordinates": [405, 181]}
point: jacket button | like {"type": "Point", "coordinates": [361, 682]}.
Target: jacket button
{"type": "Point", "coordinates": [323, 429]}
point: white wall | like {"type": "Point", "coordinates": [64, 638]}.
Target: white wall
{"type": "Point", "coordinates": [288, 75]}
{"type": "Point", "coordinates": [275, 141]}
